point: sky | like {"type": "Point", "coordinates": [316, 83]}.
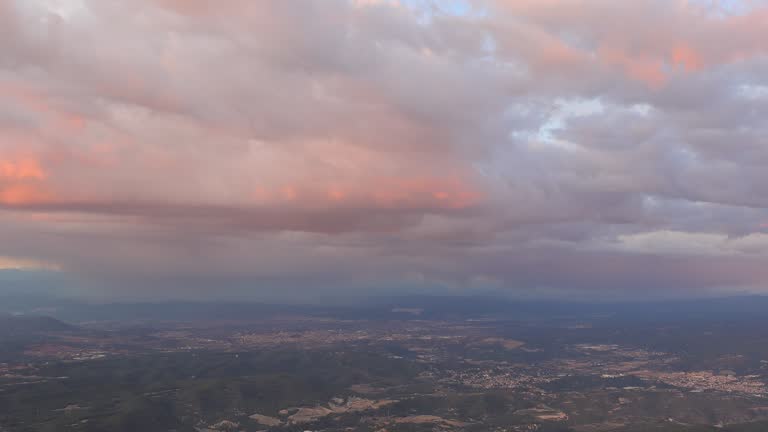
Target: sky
{"type": "Point", "coordinates": [585, 149]}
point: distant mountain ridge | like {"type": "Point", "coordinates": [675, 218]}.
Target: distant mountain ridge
{"type": "Point", "coordinates": [11, 325]}
{"type": "Point", "coordinates": [422, 307]}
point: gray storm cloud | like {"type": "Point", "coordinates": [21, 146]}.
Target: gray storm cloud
{"type": "Point", "coordinates": [562, 147]}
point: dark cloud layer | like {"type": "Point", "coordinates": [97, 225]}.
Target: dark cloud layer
{"type": "Point", "coordinates": [180, 148]}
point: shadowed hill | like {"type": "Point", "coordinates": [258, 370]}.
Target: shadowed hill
{"type": "Point", "coordinates": [20, 325]}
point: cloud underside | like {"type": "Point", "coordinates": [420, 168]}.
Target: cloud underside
{"type": "Point", "coordinates": [530, 146]}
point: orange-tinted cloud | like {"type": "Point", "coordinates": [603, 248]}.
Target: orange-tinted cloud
{"type": "Point", "coordinates": [448, 193]}
{"type": "Point", "coordinates": [375, 192]}
{"type": "Point", "coordinates": [22, 194]}
{"type": "Point", "coordinates": [21, 169]}
{"type": "Point", "coordinates": [684, 55]}
{"type": "Point", "coordinates": [647, 70]}
{"type": "Point", "coordinates": [21, 181]}
{"type": "Point", "coordinates": [644, 39]}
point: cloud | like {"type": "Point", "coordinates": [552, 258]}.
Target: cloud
{"type": "Point", "coordinates": [10, 263]}
{"type": "Point", "coordinates": [528, 146]}
{"type": "Point", "coordinates": [666, 242]}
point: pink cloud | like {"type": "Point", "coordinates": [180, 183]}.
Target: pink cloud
{"type": "Point", "coordinates": [516, 145]}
